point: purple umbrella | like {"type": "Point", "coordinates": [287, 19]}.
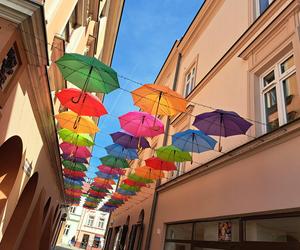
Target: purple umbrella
{"type": "Point", "coordinates": [129, 141]}
{"type": "Point", "coordinates": [221, 123]}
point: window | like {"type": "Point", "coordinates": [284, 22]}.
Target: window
{"type": "Point", "coordinates": [96, 242]}
{"type": "Point", "coordinates": [67, 229]}
{"type": "Point", "coordinates": [180, 232]}
{"type": "Point", "coordinates": [72, 210]}
{"type": "Point", "coordinates": [280, 95]}
{"type": "Point", "coordinates": [261, 6]}
{"type": "Point", "coordinates": [71, 25]}
{"type": "Point", "coordinates": [101, 223]}
{"type": "Point", "coordinates": [8, 67]}
{"type": "Point", "coordinates": [90, 221]}
{"type": "Point", "coordinates": [189, 81]}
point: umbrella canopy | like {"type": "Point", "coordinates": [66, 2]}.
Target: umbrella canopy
{"type": "Point", "coordinates": [72, 182]}
{"type": "Point", "coordinates": [70, 186]}
{"type": "Point", "coordinates": [129, 141]}
{"type": "Point", "coordinates": [76, 151]}
{"type": "Point", "coordinates": [84, 104]}
{"type": "Point", "coordinates": [75, 138]}
{"type": "Point", "coordinates": [93, 192]}
{"type": "Point", "coordinates": [114, 162]}
{"type": "Point", "coordinates": [172, 153]}
{"type": "Point", "coordinates": [159, 164]}
{"type": "Point", "coordinates": [102, 185]}
{"type": "Point", "coordinates": [121, 152]}
{"type": "Point", "coordinates": [221, 123]}
{"type": "Point", "coordinates": [141, 124]}
{"type": "Point", "coordinates": [134, 183]}
{"type": "Point", "coordinates": [97, 189]}
{"type": "Point", "coordinates": [149, 173]}
{"type": "Point", "coordinates": [101, 180]}
{"type": "Point", "coordinates": [193, 141]}
{"type": "Point", "coordinates": [109, 170]}
{"type": "Point", "coordinates": [115, 202]}
{"type": "Point", "coordinates": [74, 159]}
{"type": "Point", "coordinates": [137, 178]}
{"type": "Point", "coordinates": [106, 176]}
{"type": "Point", "coordinates": [88, 73]}
{"type": "Point", "coordinates": [75, 123]}
{"type": "Point", "coordinates": [119, 196]}
{"type": "Point", "coordinates": [159, 100]}
{"type": "Point", "coordinates": [76, 178]}
{"type": "Point", "coordinates": [125, 192]}
{"type": "Point", "coordinates": [73, 173]}
{"type": "Point", "coordinates": [130, 188]}
{"type": "Point", "coordinates": [71, 192]}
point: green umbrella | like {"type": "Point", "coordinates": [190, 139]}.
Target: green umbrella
{"type": "Point", "coordinates": [114, 162]}
{"type": "Point", "coordinates": [72, 186]}
{"type": "Point", "coordinates": [74, 165]}
{"type": "Point", "coordinates": [116, 202]}
{"type": "Point", "coordinates": [88, 73]}
{"type": "Point", "coordinates": [130, 188]}
{"type": "Point", "coordinates": [137, 178]}
{"type": "Point", "coordinates": [74, 138]}
{"type": "Point", "coordinates": [102, 190]}
{"type": "Point", "coordinates": [172, 153]}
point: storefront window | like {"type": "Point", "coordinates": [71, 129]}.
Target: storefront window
{"type": "Point", "coordinates": [180, 232]}
{"type": "Point", "coordinates": [274, 230]}
{"type": "Point", "coordinates": [217, 231]}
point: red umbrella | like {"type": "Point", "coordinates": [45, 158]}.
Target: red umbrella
{"type": "Point", "coordinates": [110, 170]}
{"type": "Point", "coordinates": [69, 172]}
{"type": "Point", "coordinates": [75, 151]}
{"type": "Point", "coordinates": [134, 183]}
{"type": "Point", "coordinates": [87, 104]}
{"type": "Point", "coordinates": [158, 164]}
{"type": "Point", "coordinates": [102, 185]}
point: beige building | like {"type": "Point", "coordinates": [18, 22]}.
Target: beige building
{"type": "Point", "coordinates": [33, 35]}
{"type": "Point", "coordinates": [241, 56]}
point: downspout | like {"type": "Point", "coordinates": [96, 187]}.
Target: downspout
{"type": "Point", "coordinates": [165, 140]}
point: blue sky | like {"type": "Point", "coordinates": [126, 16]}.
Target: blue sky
{"type": "Point", "coordinates": [147, 32]}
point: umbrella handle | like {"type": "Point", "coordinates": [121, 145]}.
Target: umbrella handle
{"type": "Point", "coordinates": [76, 123]}
{"type": "Point", "coordinates": [73, 99]}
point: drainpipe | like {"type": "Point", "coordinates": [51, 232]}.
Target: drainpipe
{"type": "Point", "coordinates": [165, 140]}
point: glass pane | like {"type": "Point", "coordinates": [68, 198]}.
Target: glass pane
{"type": "Point", "coordinates": [177, 246]}
{"type": "Point", "coordinates": [263, 5]}
{"type": "Point", "coordinates": [274, 230]}
{"type": "Point", "coordinates": [269, 78]}
{"type": "Point", "coordinates": [287, 64]}
{"type": "Point", "coordinates": [180, 232]}
{"type": "Point", "coordinates": [271, 109]}
{"type": "Point", "coordinates": [217, 231]}
{"type": "Point", "coordinates": [291, 98]}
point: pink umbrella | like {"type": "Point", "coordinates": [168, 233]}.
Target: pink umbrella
{"type": "Point", "coordinates": [141, 124]}
{"type": "Point", "coordinates": [76, 151]}
{"type": "Point", "coordinates": [109, 170]}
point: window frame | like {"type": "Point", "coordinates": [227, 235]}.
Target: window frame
{"type": "Point", "coordinates": [101, 221]}
{"type": "Point", "coordinates": [257, 7]}
{"type": "Point", "coordinates": [89, 220]}
{"type": "Point", "coordinates": [67, 229]}
{"type": "Point", "coordinates": [192, 71]}
{"type": "Point", "coordinates": [277, 83]}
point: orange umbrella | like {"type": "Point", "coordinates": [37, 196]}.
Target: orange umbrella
{"type": "Point", "coordinates": [149, 173]}
{"type": "Point", "coordinates": [119, 196]}
{"type": "Point", "coordinates": [158, 100]}
{"type": "Point", "coordinates": [101, 180]}
{"type": "Point", "coordinates": [75, 123]}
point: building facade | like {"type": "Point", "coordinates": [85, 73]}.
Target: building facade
{"type": "Point", "coordinates": [241, 56]}
{"type": "Point", "coordinates": [33, 35]}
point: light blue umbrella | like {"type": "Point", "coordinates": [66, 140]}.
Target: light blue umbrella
{"type": "Point", "coordinates": [193, 141]}
{"type": "Point", "coordinates": [121, 152]}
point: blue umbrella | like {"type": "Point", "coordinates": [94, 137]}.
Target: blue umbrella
{"type": "Point", "coordinates": [106, 176]}
{"type": "Point", "coordinates": [72, 181]}
{"type": "Point", "coordinates": [121, 152]}
{"type": "Point", "coordinates": [125, 192]}
{"type": "Point", "coordinates": [193, 141]}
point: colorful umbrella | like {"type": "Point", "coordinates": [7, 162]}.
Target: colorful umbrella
{"type": "Point", "coordinates": [141, 124]}
{"type": "Point", "coordinates": [106, 176]}
{"type": "Point", "coordinates": [93, 192]}
{"type": "Point", "coordinates": [69, 186]}
{"type": "Point", "coordinates": [125, 192]}
{"type": "Point", "coordinates": [148, 173]}
{"type": "Point", "coordinates": [129, 141]}
{"type": "Point", "coordinates": [97, 189]}
{"type": "Point", "coordinates": [121, 152]}
{"type": "Point", "coordinates": [75, 138]}
{"type": "Point", "coordinates": [114, 162]}
{"type": "Point", "coordinates": [137, 178]}
{"type": "Point", "coordinates": [88, 73]}
{"type": "Point", "coordinates": [116, 202]}
{"type": "Point", "coordinates": [119, 196]}
{"type": "Point", "coordinates": [72, 182]}
{"type": "Point", "coordinates": [88, 105]}
{"type": "Point", "coordinates": [134, 183]}
{"type": "Point", "coordinates": [109, 170]}
{"type": "Point", "coordinates": [77, 178]}
{"type": "Point", "coordinates": [74, 166]}
{"type": "Point", "coordinates": [74, 159]}
{"type": "Point", "coordinates": [193, 141]}
{"type": "Point", "coordinates": [130, 188]}
{"type": "Point", "coordinates": [102, 185]}
{"type": "Point", "coordinates": [75, 123]}
{"type": "Point", "coordinates": [172, 153]}
{"type": "Point", "coordinates": [221, 123]}
{"type": "Point", "coordinates": [159, 100]}
{"type": "Point", "coordinates": [101, 180]}
{"type": "Point", "coordinates": [73, 173]}
{"type": "Point", "coordinates": [76, 151]}
{"type": "Point", "coordinates": [159, 164]}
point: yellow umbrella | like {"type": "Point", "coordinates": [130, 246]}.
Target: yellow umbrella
{"type": "Point", "coordinates": [149, 173]}
{"type": "Point", "coordinates": [158, 100]}
{"type": "Point", "coordinates": [75, 123]}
